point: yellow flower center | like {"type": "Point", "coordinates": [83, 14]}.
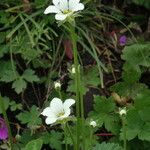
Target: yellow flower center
{"type": "Point", "coordinates": [67, 11]}
{"type": "Point", "coordinates": [60, 114]}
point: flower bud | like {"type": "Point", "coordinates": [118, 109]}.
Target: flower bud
{"type": "Point", "coordinates": [73, 70]}
{"type": "Point", "coordinates": [57, 85]}
{"type": "Point", "coordinates": [93, 124]}
{"type": "Point", "coordinates": [122, 111]}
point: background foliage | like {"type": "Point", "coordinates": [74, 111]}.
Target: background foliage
{"type": "Point", "coordinates": [35, 52]}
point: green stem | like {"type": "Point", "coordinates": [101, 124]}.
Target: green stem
{"type": "Point", "coordinates": [71, 135]}
{"type": "Point", "coordinates": [6, 120]}
{"type": "Point", "coordinates": [124, 133]}
{"type": "Point", "coordinates": [65, 135]}
{"type": "Point", "coordinates": [82, 110]}
{"type": "Point", "coordinates": [77, 85]}
{"type": "Point", "coordinates": [66, 145]}
{"type": "Point", "coordinates": [60, 95]}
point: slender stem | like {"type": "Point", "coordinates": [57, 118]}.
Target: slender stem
{"type": "Point", "coordinates": [82, 109]}
{"type": "Point", "coordinates": [6, 120]}
{"type": "Point", "coordinates": [65, 135]}
{"type": "Point", "coordinates": [66, 145]}
{"type": "Point", "coordinates": [60, 95]}
{"type": "Point", "coordinates": [124, 133]}
{"type": "Point", "coordinates": [70, 133]}
{"type": "Point", "coordinates": [75, 54]}
{"type": "Point", "coordinates": [77, 86]}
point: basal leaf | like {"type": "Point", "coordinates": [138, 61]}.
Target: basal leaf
{"type": "Point", "coordinates": [6, 103]}
{"type": "Point", "coordinates": [104, 113]}
{"type": "Point", "coordinates": [107, 146]}
{"type": "Point", "coordinates": [145, 132]}
{"type": "Point", "coordinates": [137, 55]}
{"type": "Point", "coordinates": [19, 85]}
{"type": "Point", "coordinates": [29, 75]}
{"type": "Point", "coordinates": [34, 145]}
{"type": "Point", "coordinates": [31, 118]}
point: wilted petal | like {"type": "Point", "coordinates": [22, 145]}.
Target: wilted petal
{"type": "Point", "coordinates": [68, 103]}
{"type": "Point", "coordinates": [51, 9]}
{"type": "Point", "coordinates": [61, 16]}
{"type": "Point", "coordinates": [50, 120]}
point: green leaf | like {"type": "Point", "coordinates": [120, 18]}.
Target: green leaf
{"type": "Point", "coordinates": [107, 146]}
{"type": "Point", "coordinates": [34, 145]}
{"type": "Point", "coordinates": [103, 105]}
{"type": "Point", "coordinates": [54, 139]}
{"type": "Point", "coordinates": [104, 113]}
{"type": "Point", "coordinates": [145, 132]}
{"type": "Point", "coordinates": [14, 106]}
{"type": "Point", "coordinates": [6, 103]}
{"type": "Point", "coordinates": [39, 3]}
{"type": "Point", "coordinates": [29, 76]}
{"type": "Point", "coordinates": [142, 99]}
{"type": "Point", "coordinates": [7, 73]}
{"type": "Point", "coordinates": [131, 74]}
{"type": "Point", "coordinates": [145, 3]}
{"type": "Point", "coordinates": [19, 85]}
{"type": "Point", "coordinates": [137, 55]}
{"type": "Point", "coordinates": [3, 50]}
{"type": "Point", "coordinates": [144, 114]}
{"type": "Point", "coordinates": [31, 118]}
{"type": "Point", "coordinates": [134, 124]}
{"type": "Point", "coordinates": [89, 78]}
{"type": "Point", "coordinates": [128, 90]}
{"type": "Point", "coordinates": [9, 76]}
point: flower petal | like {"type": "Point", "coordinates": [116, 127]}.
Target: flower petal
{"type": "Point", "coordinates": [78, 7]}
{"type": "Point", "coordinates": [56, 104]}
{"type": "Point", "coordinates": [47, 112]}
{"type": "Point", "coordinates": [67, 112]}
{"type": "Point", "coordinates": [60, 16]}
{"type": "Point", "coordinates": [63, 5]}
{"type": "Point", "coordinates": [51, 9]}
{"type": "Point", "coordinates": [50, 120]}
{"type": "Point", "coordinates": [56, 2]}
{"type": "Point", "coordinates": [68, 103]}
{"type": "Point", "coordinates": [73, 4]}
{"type": "Point", "coordinates": [3, 133]}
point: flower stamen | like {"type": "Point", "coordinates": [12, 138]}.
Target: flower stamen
{"type": "Point", "coordinates": [60, 114]}
{"type": "Point", "coordinates": [67, 12]}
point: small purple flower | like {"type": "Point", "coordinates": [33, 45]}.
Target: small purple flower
{"type": "Point", "coordinates": [3, 130]}
{"type": "Point", "coordinates": [122, 40]}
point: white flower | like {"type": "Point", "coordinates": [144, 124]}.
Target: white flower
{"type": "Point", "coordinates": [57, 110]}
{"type": "Point", "coordinates": [93, 123]}
{"type": "Point", "coordinates": [57, 85]}
{"type": "Point", "coordinates": [64, 8]}
{"type": "Point", "coordinates": [122, 111]}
